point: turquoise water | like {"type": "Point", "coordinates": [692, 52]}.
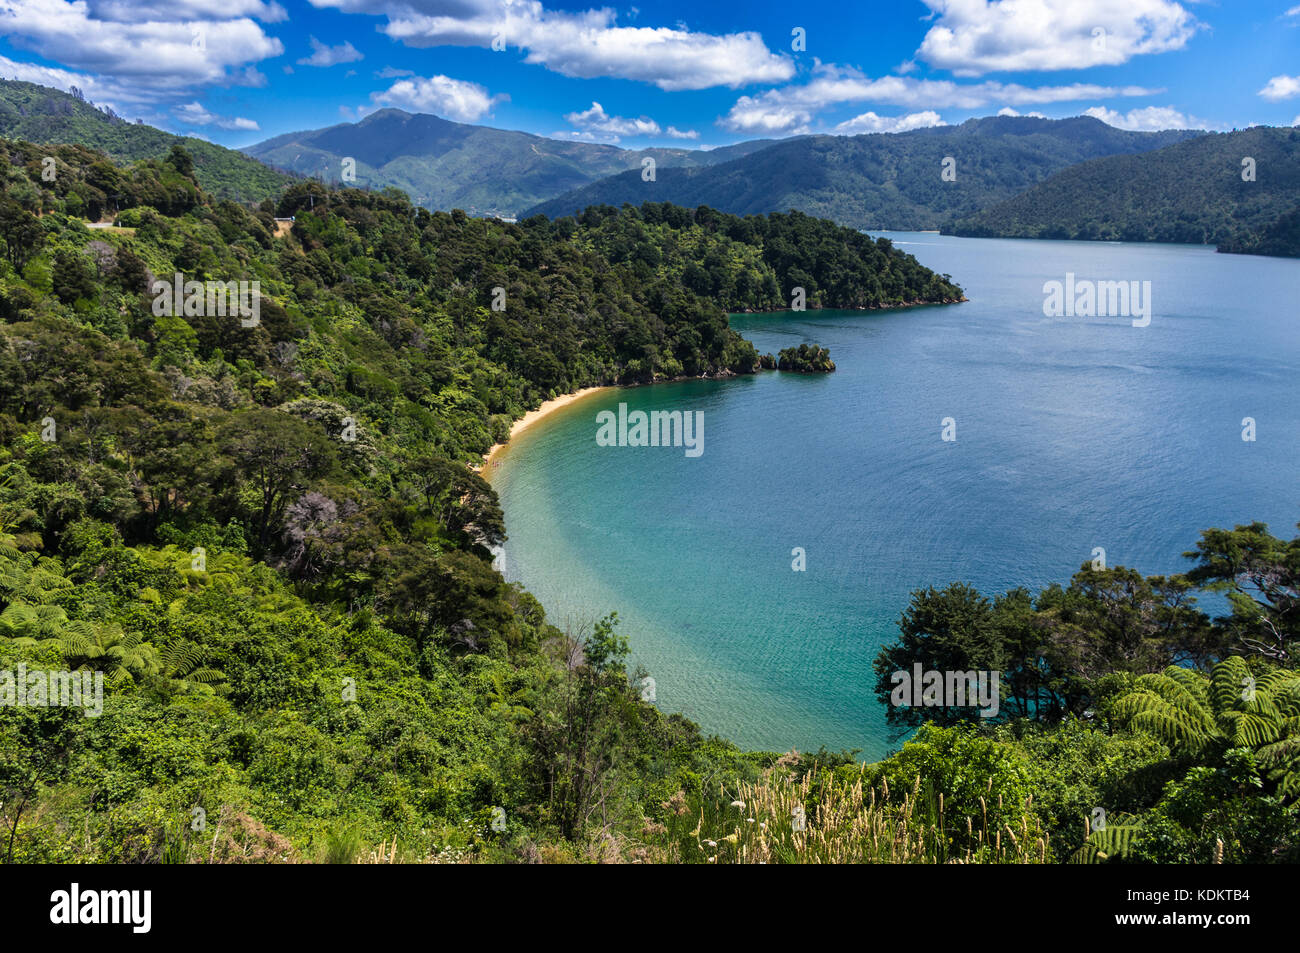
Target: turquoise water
{"type": "Point", "coordinates": [1072, 433]}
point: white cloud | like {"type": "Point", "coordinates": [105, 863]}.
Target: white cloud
{"type": "Point", "coordinates": [790, 109]}
{"type": "Point", "coordinates": [1281, 87]}
{"type": "Point", "coordinates": [672, 132]}
{"type": "Point", "coordinates": [453, 98]}
{"type": "Point", "coordinates": [973, 37]}
{"type": "Point", "coordinates": [1008, 111]}
{"type": "Point", "coordinates": [579, 135]}
{"type": "Point", "coordinates": [136, 11]}
{"type": "Point", "coordinates": [93, 88]}
{"type": "Point", "coordinates": [323, 55]}
{"type": "Point", "coordinates": [193, 114]}
{"type": "Point", "coordinates": [585, 45]}
{"type": "Point", "coordinates": [870, 122]}
{"type": "Point", "coordinates": [142, 58]}
{"type": "Point", "coordinates": [596, 120]}
{"type": "Point", "coordinates": [1150, 119]}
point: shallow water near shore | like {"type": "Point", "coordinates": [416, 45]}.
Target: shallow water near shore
{"type": "Point", "coordinates": [1072, 433]}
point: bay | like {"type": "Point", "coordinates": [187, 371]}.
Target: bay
{"type": "Point", "coordinates": [1072, 434]}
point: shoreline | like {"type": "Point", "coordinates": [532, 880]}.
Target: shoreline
{"type": "Point", "coordinates": [533, 416]}
{"type": "Point", "coordinates": [870, 307]}
{"type": "Point", "coordinates": [564, 400]}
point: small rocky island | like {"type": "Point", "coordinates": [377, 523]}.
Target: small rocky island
{"type": "Point", "coordinates": [804, 359]}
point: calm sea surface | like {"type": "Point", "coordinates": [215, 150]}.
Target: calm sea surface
{"type": "Point", "coordinates": [1072, 433]}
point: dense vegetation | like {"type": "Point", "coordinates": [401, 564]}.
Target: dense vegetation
{"type": "Point", "coordinates": [1282, 238]}
{"type": "Point", "coordinates": [267, 538]}
{"type": "Point", "coordinates": [1120, 694]}
{"type": "Point", "coordinates": [762, 263]}
{"type": "Point", "coordinates": [39, 114]}
{"type": "Point", "coordinates": [1190, 192]}
{"type": "Point", "coordinates": [445, 165]}
{"type": "Point", "coordinates": [805, 359]}
{"type": "Point", "coordinates": [880, 181]}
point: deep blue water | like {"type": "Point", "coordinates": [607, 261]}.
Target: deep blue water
{"type": "Point", "coordinates": [1072, 433]}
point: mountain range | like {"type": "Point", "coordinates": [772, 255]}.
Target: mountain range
{"type": "Point", "coordinates": [881, 180]}
{"type": "Point", "coordinates": [1002, 176]}
{"type": "Point", "coordinates": [443, 164]}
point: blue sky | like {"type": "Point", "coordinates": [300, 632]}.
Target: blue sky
{"type": "Point", "coordinates": [700, 73]}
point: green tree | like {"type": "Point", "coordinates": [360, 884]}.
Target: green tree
{"type": "Point", "coordinates": [280, 457]}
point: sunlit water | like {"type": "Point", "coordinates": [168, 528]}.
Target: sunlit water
{"type": "Point", "coordinates": [1072, 433]}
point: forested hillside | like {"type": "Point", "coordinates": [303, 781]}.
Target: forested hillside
{"type": "Point", "coordinates": [263, 531]}
{"type": "Point", "coordinates": [444, 165]}
{"type": "Point", "coordinates": [1203, 192]}
{"type": "Point", "coordinates": [1281, 238]}
{"type": "Point", "coordinates": [35, 113]}
{"type": "Point", "coordinates": [881, 180]}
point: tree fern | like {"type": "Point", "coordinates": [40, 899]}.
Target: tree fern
{"type": "Point", "coordinates": [1113, 842]}
{"type": "Point", "coordinates": [1195, 715]}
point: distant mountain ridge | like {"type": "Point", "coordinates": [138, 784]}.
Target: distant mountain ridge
{"type": "Point", "coordinates": [444, 165]}
{"type": "Point", "coordinates": [1192, 191]}
{"type": "Point", "coordinates": [881, 180]}
{"type": "Point", "coordinates": [41, 114]}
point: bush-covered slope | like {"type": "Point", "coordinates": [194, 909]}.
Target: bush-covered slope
{"type": "Point", "coordinates": [882, 180]}
{"type": "Point", "coordinates": [1190, 192]}
{"type": "Point", "coordinates": [35, 113]}
{"type": "Point", "coordinates": [1281, 238]}
{"type": "Point", "coordinates": [265, 536]}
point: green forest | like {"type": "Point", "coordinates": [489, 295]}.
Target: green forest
{"type": "Point", "coordinates": [32, 113]}
{"type": "Point", "coordinates": [1234, 188]}
{"type": "Point", "coordinates": [267, 536]}
{"type": "Point", "coordinates": [270, 541]}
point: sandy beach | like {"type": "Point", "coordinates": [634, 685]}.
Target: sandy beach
{"type": "Point", "coordinates": [530, 418]}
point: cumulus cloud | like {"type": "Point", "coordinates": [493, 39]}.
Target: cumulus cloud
{"type": "Point", "coordinates": [973, 37]}
{"type": "Point", "coordinates": [596, 121]}
{"type": "Point", "coordinates": [1008, 111]}
{"type": "Point", "coordinates": [672, 132]}
{"type": "Point", "coordinates": [585, 45]}
{"type": "Point", "coordinates": [135, 11]}
{"type": "Point", "coordinates": [140, 53]}
{"type": "Point", "coordinates": [193, 114]}
{"type": "Point", "coordinates": [323, 55]}
{"type": "Point", "coordinates": [1150, 119]}
{"type": "Point", "coordinates": [870, 122]}
{"type": "Point", "coordinates": [453, 98]}
{"type": "Point", "coordinates": [1281, 87]}
{"type": "Point", "coordinates": [790, 109]}
{"type": "Point", "coordinates": [94, 88]}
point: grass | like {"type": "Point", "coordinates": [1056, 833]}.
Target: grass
{"type": "Point", "coordinates": [830, 818]}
